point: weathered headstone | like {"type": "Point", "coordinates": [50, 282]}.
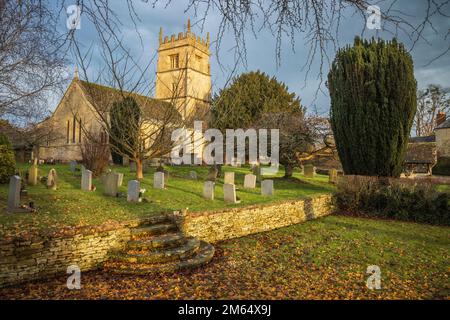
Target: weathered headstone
{"type": "Point", "coordinates": [132, 166]}
{"type": "Point", "coordinates": [267, 188]}
{"type": "Point", "coordinates": [256, 170]}
{"type": "Point", "coordinates": [166, 174]}
{"type": "Point", "coordinates": [86, 180]}
{"type": "Point", "coordinates": [14, 193]}
{"type": "Point", "coordinates": [333, 176]}
{"type": "Point", "coordinates": [134, 188]}
{"type": "Point", "coordinates": [208, 190]}
{"type": "Point", "coordinates": [229, 178]}
{"type": "Point", "coordinates": [309, 170]}
{"type": "Point", "coordinates": [229, 193]}
{"type": "Point", "coordinates": [112, 184]}
{"type": "Point", "coordinates": [250, 181]}
{"type": "Point", "coordinates": [125, 161]}
{"type": "Point", "coordinates": [33, 175]}
{"type": "Point", "coordinates": [193, 175]}
{"type": "Point", "coordinates": [52, 180]}
{"type": "Point", "coordinates": [212, 173]}
{"type": "Point", "coordinates": [73, 165]}
{"type": "Point", "coordinates": [158, 180]}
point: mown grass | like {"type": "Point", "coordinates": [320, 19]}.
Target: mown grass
{"type": "Point", "coordinates": [325, 258]}
{"type": "Point", "coordinates": [70, 206]}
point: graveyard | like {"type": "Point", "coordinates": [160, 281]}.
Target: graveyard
{"type": "Point", "coordinates": [69, 205]}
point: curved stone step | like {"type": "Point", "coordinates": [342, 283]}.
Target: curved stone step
{"type": "Point", "coordinates": [158, 256]}
{"type": "Point", "coordinates": [161, 218]}
{"type": "Point", "coordinates": [169, 240]}
{"type": "Point", "coordinates": [152, 230]}
{"type": "Point", "coordinates": [202, 257]}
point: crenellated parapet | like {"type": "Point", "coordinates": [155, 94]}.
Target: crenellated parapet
{"type": "Point", "coordinates": [184, 38]}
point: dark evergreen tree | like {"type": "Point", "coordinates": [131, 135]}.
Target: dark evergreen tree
{"type": "Point", "coordinates": [373, 102]}
{"type": "Point", "coordinates": [124, 117]}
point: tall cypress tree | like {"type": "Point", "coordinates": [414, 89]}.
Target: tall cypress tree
{"type": "Point", "coordinates": [373, 103]}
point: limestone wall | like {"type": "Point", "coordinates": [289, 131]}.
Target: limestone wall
{"type": "Point", "coordinates": [443, 142]}
{"type": "Point", "coordinates": [238, 222]}
{"type": "Point", "coordinates": [45, 256]}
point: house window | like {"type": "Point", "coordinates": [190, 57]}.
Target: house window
{"type": "Point", "coordinates": [174, 61]}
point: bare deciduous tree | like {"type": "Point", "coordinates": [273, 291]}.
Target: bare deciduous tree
{"type": "Point", "coordinates": [31, 59]}
{"type": "Point", "coordinates": [430, 101]}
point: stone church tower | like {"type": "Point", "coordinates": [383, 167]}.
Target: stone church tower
{"type": "Point", "coordinates": [183, 75]}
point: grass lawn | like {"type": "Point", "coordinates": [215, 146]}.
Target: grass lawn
{"type": "Point", "coordinates": [325, 258]}
{"type": "Point", "coordinates": [71, 206]}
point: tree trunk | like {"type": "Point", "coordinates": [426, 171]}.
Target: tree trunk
{"type": "Point", "coordinates": [288, 171]}
{"type": "Point", "coordinates": [139, 171]}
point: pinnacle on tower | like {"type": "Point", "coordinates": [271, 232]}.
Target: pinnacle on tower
{"type": "Point", "coordinates": [189, 26]}
{"type": "Point", "coordinates": [207, 39]}
{"type": "Point", "coordinates": [75, 74]}
{"type": "Point", "coordinates": [160, 35]}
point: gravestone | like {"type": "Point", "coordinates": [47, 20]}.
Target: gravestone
{"type": "Point", "coordinates": [166, 174]}
{"type": "Point", "coordinates": [132, 166]}
{"type": "Point", "coordinates": [33, 175]}
{"type": "Point", "coordinates": [119, 179]}
{"type": "Point", "coordinates": [86, 180]}
{"type": "Point", "coordinates": [309, 170]}
{"type": "Point", "coordinates": [256, 170]}
{"type": "Point", "coordinates": [14, 194]}
{"type": "Point", "coordinates": [267, 188]}
{"type": "Point", "coordinates": [125, 161]}
{"type": "Point", "coordinates": [134, 189]}
{"type": "Point", "coordinates": [208, 190]}
{"type": "Point", "coordinates": [229, 193]}
{"type": "Point", "coordinates": [158, 180]}
{"type": "Point", "coordinates": [229, 178]}
{"type": "Point", "coordinates": [333, 176]}
{"type": "Point", "coordinates": [112, 184]}
{"type": "Point", "coordinates": [145, 166]}
{"type": "Point", "coordinates": [52, 180]}
{"type": "Point", "coordinates": [250, 181]}
{"type": "Point", "coordinates": [193, 175]}
{"type": "Point", "coordinates": [212, 174]}
{"type": "Point", "coordinates": [73, 165]}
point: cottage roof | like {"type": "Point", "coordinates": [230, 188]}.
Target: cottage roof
{"type": "Point", "coordinates": [421, 153]}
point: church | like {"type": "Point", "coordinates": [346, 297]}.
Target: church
{"type": "Point", "coordinates": [183, 76]}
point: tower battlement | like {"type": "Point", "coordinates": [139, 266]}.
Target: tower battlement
{"type": "Point", "coordinates": [184, 38]}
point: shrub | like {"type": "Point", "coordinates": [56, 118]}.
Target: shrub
{"type": "Point", "coordinates": [7, 163]}
{"type": "Point", "coordinates": [373, 102]}
{"type": "Point", "coordinates": [442, 167]}
{"type": "Point", "coordinates": [5, 141]}
{"type": "Point", "coordinates": [395, 200]}
{"type": "Point", "coordinates": [95, 155]}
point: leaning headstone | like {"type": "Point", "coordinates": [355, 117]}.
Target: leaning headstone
{"type": "Point", "coordinates": [193, 175]}
{"type": "Point", "coordinates": [309, 170]}
{"type": "Point", "coordinates": [112, 184]}
{"type": "Point", "coordinates": [73, 166]}
{"type": "Point", "coordinates": [158, 180]}
{"type": "Point", "coordinates": [86, 180]}
{"type": "Point", "coordinates": [229, 193]}
{"type": "Point", "coordinates": [134, 189]}
{"type": "Point", "coordinates": [52, 179]}
{"type": "Point", "coordinates": [229, 178]}
{"type": "Point", "coordinates": [267, 188]}
{"type": "Point", "coordinates": [208, 190]}
{"type": "Point", "coordinates": [333, 176]}
{"type": "Point", "coordinates": [33, 175]}
{"type": "Point", "coordinates": [132, 166]}
{"type": "Point", "coordinates": [14, 194]}
{"type": "Point", "coordinates": [250, 181]}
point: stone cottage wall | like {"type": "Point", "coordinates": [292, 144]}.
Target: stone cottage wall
{"type": "Point", "coordinates": [238, 222]}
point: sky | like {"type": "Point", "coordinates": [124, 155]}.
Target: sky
{"type": "Point", "coordinates": [261, 48]}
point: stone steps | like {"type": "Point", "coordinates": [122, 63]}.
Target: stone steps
{"type": "Point", "coordinates": [158, 256]}
{"type": "Point", "coordinates": [157, 246]}
{"type": "Point", "coordinates": [152, 230]}
{"type": "Point", "coordinates": [168, 240]}
{"type": "Point", "coordinates": [202, 257]}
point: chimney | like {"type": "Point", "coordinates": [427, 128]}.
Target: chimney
{"type": "Point", "coordinates": [440, 118]}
